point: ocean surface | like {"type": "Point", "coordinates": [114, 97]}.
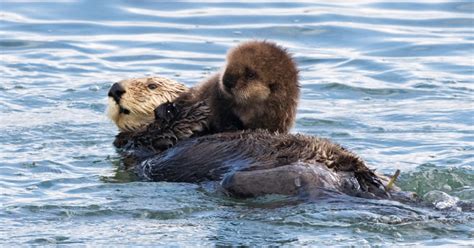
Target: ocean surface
{"type": "Point", "coordinates": [391, 80]}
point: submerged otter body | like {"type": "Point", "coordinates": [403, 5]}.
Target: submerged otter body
{"type": "Point", "coordinates": [255, 163]}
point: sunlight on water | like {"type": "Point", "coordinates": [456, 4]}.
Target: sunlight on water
{"type": "Point", "coordinates": [392, 81]}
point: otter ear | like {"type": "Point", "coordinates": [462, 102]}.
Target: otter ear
{"type": "Point", "coordinates": [166, 112]}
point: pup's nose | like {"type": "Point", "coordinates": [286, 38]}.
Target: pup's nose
{"type": "Point", "coordinates": [229, 81]}
{"type": "Point", "coordinates": [116, 91]}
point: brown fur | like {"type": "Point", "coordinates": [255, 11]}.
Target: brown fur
{"type": "Point", "coordinates": [248, 163]}
{"type": "Point", "coordinates": [253, 163]}
{"type": "Point", "coordinates": [264, 92]}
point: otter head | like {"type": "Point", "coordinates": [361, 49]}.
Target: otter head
{"type": "Point", "coordinates": [132, 102]}
{"type": "Point", "coordinates": [257, 71]}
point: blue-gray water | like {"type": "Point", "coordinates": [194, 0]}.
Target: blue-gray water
{"type": "Point", "coordinates": [393, 81]}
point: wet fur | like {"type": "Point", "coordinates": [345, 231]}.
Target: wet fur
{"type": "Point", "coordinates": [254, 163]}
{"type": "Point", "coordinates": [248, 163]}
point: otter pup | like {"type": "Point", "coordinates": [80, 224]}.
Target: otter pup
{"type": "Point", "coordinates": [258, 88]}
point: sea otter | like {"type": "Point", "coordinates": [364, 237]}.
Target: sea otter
{"type": "Point", "coordinates": [258, 89]}
{"type": "Point", "coordinates": [248, 163]}
{"type": "Point", "coordinates": [256, 162]}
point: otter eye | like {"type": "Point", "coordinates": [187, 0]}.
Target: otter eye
{"type": "Point", "coordinates": [250, 74]}
{"type": "Point", "coordinates": [152, 86]}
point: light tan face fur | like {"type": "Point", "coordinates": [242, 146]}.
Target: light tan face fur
{"type": "Point", "coordinates": [250, 92]}
{"type": "Point", "coordinates": [141, 99]}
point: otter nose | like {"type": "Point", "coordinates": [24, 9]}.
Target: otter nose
{"type": "Point", "coordinates": [228, 81]}
{"type": "Point", "coordinates": [116, 91]}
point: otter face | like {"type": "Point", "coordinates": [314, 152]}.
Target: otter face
{"type": "Point", "coordinates": [255, 70]}
{"type": "Point", "coordinates": [244, 83]}
{"type": "Point", "coordinates": [132, 102]}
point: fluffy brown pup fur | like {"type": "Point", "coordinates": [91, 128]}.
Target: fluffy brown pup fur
{"type": "Point", "coordinates": [257, 89]}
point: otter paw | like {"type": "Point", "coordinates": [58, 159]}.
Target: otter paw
{"type": "Point", "coordinates": [166, 112]}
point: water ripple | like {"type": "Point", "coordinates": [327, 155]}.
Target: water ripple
{"type": "Point", "coordinates": [392, 81]}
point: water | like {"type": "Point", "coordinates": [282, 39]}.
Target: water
{"type": "Point", "coordinates": [393, 81]}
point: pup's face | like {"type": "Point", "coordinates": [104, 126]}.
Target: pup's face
{"type": "Point", "coordinates": [132, 102]}
{"type": "Point", "coordinates": [255, 70]}
{"type": "Point", "coordinates": [244, 77]}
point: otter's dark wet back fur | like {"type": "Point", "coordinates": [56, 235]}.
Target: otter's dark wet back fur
{"type": "Point", "coordinates": [223, 156]}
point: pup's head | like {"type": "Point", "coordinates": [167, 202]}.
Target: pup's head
{"type": "Point", "coordinates": [257, 69]}
{"type": "Point", "coordinates": [132, 102]}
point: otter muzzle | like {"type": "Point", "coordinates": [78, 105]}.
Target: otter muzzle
{"type": "Point", "coordinates": [116, 92]}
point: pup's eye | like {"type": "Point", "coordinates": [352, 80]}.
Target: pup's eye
{"type": "Point", "coordinates": [152, 86]}
{"type": "Point", "coordinates": [250, 74]}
